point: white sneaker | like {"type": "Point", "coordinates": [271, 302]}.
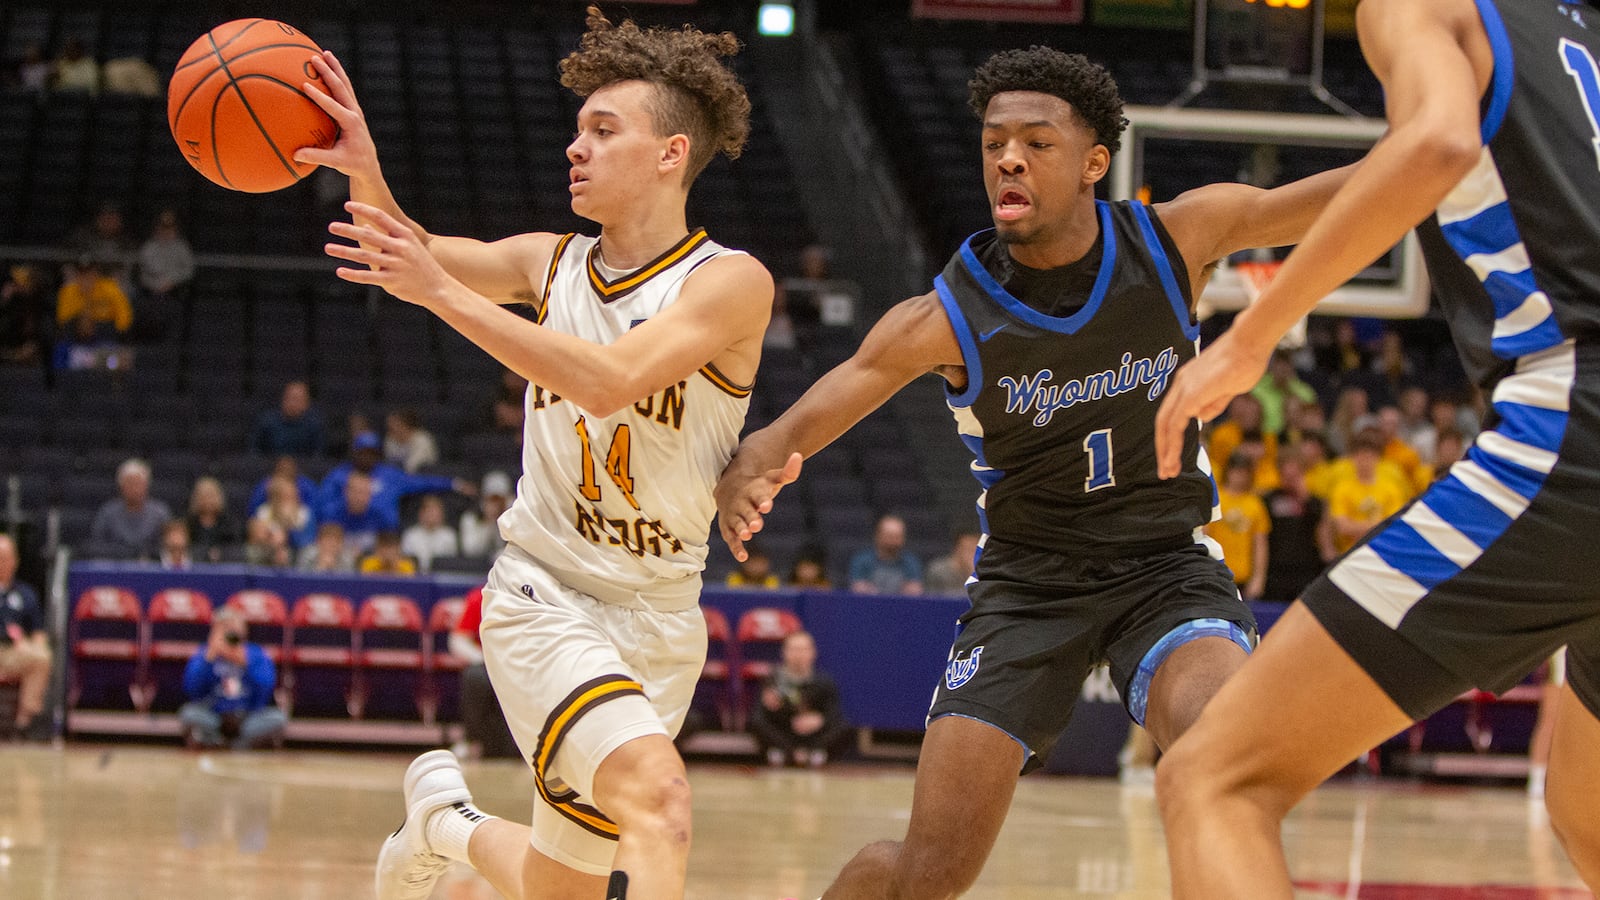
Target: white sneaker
{"type": "Point", "coordinates": [407, 866]}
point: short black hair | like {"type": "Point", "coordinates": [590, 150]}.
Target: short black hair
{"type": "Point", "coordinates": [1071, 76]}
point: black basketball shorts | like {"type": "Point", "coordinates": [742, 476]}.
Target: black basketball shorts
{"type": "Point", "coordinates": [1040, 621]}
{"type": "Point", "coordinates": [1497, 564]}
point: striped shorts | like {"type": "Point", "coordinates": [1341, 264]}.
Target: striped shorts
{"type": "Point", "coordinates": [1493, 568]}
{"type": "Point", "coordinates": [577, 678]}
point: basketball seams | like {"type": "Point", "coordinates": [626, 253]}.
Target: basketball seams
{"type": "Point", "coordinates": [217, 49]}
{"type": "Point", "coordinates": [215, 152]}
{"type": "Point", "coordinates": [222, 67]}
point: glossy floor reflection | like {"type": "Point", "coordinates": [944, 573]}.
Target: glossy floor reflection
{"type": "Point", "coordinates": [95, 822]}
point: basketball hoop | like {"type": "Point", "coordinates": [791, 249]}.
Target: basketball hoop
{"type": "Point", "coordinates": [1254, 276]}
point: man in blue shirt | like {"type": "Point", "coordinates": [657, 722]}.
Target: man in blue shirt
{"type": "Point", "coordinates": [230, 682]}
{"type": "Point", "coordinates": [294, 428]}
{"type": "Point", "coordinates": [886, 568]}
{"type": "Point", "coordinates": [24, 653]}
{"type": "Point", "coordinates": [389, 485]}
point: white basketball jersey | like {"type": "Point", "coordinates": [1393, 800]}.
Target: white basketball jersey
{"type": "Point", "coordinates": [620, 506]}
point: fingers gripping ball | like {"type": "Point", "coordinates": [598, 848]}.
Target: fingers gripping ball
{"type": "Point", "coordinates": [236, 108]}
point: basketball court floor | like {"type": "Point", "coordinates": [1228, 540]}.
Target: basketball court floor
{"type": "Point", "coordinates": [104, 821]}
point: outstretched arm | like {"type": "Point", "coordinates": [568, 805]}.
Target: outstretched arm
{"type": "Point", "coordinates": [722, 307]}
{"type": "Point", "coordinates": [506, 270]}
{"type": "Point", "coordinates": [912, 339]}
{"type": "Point", "coordinates": [1434, 61]}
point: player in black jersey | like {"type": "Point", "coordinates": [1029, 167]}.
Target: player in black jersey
{"type": "Point", "coordinates": [1057, 334]}
{"type": "Point", "coordinates": [1494, 113]}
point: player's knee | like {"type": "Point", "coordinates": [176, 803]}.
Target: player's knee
{"type": "Point", "coordinates": [934, 873]}
{"type": "Point", "coordinates": [656, 804]}
{"type": "Point", "coordinates": [1572, 819]}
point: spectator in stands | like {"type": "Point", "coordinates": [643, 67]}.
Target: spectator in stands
{"type": "Point", "coordinates": [1392, 368]}
{"type": "Point", "coordinates": [1244, 417]}
{"type": "Point", "coordinates": [129, 525]}
{"type": "Point", "coordinates": [1242, 528]}
{"type": "Point", "coordinates": [287, 512]}
{"type": "Point", "coordinates": [406, 443]}
{"type": "Point", "coordinates": [798, 718]}
{"type": "Point", "coordinates": [357, 512]}
{"type": "Point", "coordinates": [386, 557]}
{"type": "Point", "coordinates": [810, 570]}
{"type": "Point", "coordinates": [948, 574]}
{"type": "Point", "coordinates": [1350, 415]}
{"type": "Point", "coordinates": [780, 327]}
{"type": "Point", "coordinates": [1446, 413]}
{"type": "Point", "coordinates": [506, 410]}
{"type": "Point", "coordinates": [92, 295]}
{"type": "Point", "coordinates": [230, 684]}
{"type": "Point", "coordinates": [288, 467]}
{"type": "Point", "coordinates": [886, 567]}
{"type": "Point", "coordinates": [24, 651]}
{"type": "Point", "coordinates": [213, 530]}
{"type": "Point", "coordinates": [1365, 498]}
{"type": "Point", "coordinates": [1262, 452]}
{"type": "Point", "coordinates": [1304, 416]}
{"type": "Point", "coordinates": [131, 75]}
{"type": "Point", "coordinates": [1276, 388]}
{"type": "Point", "coordinates": [432, 536]}
{"type": "Point", "coordinates": [104, 240]}
{"type": "Point", "coordinates": [174, 553]}
{"type": "Point", "coordinates": [75, 69]}
{"type": "Point", "coordinates": [166, 267]}
{"type": "Point", "coordinates": [328, 553]}
{"type": "Point", "coordinates": [480, 529]}
{"type": "Point", "coordinates": [293, 429]}
{"type": "Point", "coordinates": [1448, 450]}
{"type": "Point", "coordinates": [1316, 460]}
{"type": "Point", "coordinates": [1301, 540]}
{"type": "Point", "coordinates": [266, 544]}
{"type": "Point", "coordinates": [24, 309]}
{"type": "Point", "coordinates": [390, 484]}
{"type": "Point", "coordinates": [34, 71]}
{"type": "Point", "coordinates": [486, 733]}
{"type": "Point", "coordinates": [755, 571]}
{"type": "Point", "coordinates": [1415, 428]}
{"type": "Point", "coordinates": [1397, 451]}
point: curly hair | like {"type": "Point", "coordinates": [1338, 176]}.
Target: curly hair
{"type": "Point", "coordinates": [696, 94]}
{"type": "Point", "coordinates": [1086, 85]}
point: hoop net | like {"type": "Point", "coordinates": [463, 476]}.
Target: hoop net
{"type": "Point", "coordinates": [1254, 276]}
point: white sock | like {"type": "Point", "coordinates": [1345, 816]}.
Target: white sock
{"type": "Point", "coordinates": [450, 830]}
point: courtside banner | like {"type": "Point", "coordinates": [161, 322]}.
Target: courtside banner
{"type": "Point", "coordinates": [1067, 11]}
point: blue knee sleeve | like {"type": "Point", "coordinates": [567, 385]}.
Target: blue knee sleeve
{"type": "Point", "coordinates": [1194, 629]}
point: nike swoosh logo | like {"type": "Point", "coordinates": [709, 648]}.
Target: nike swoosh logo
{"type": "Point", "coordinates": [984, 336]}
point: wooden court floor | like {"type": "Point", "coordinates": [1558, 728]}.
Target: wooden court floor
{"type": "Point", "coordinates": [104, 821]}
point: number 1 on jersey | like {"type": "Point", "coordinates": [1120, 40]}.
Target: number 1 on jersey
{"type": "Point", "coordinates": [1098, 446]}
{"type": "Point", "coordinates": [618, 463]}
{"type": "Point", "coordinates": [1579, 63]}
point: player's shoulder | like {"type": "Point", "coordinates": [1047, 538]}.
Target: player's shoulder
{"type": "Point", "coordinates": [734, 275]}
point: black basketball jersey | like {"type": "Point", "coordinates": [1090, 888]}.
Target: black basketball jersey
{"type": "Point", "coordinates": [1060, 411]}
{"type": "Point", "coordinates": [1514, 250]}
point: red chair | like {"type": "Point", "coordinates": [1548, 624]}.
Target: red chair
{"type": "Point", "coordinates": [444, 667]}
{"type": "Point", "coordinates": [389, 637]}
{"type": "Point", "coordinates": [268, 618]}
{"type": "Point", "coordinates": [321, 639]}
{"type": "Point", "coordinates": [107, 637]}
{"type": "Point", "coordinates": [177, 624]}
{"type": "Point", "coordinates": [721, 661]}
{"type": "Point", "coordinates": [760, 634]}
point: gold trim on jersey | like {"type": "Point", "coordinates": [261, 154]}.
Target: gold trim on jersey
{"type": "Point", "coordinates": [543, 309]}
{"type": "Point", "coordinates": [583, 698]}
{"type": "Point", "coordinates": [609, 291]}
{"type": "Point", "coordinates": [724, 383]}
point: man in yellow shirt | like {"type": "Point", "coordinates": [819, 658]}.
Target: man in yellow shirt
{"type": "Point", "coordinates": [1366, 497]}
{"type": "Point", "coordinates": [90, 292]}
{"type": "Point", "coordinates": [1242, 531]}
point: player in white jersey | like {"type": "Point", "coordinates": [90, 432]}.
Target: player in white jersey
{"type": "Point", "coordinates": [639, 360]}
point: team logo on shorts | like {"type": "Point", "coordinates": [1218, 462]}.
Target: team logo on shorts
{"type": "Point", "coordinates": [960, 671]}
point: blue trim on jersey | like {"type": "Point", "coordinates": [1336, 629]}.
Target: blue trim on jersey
{"type": "Point", "coordinates": [1402, 547]}
{"type": "Point", "coordinates": [1543, 336]}
{"type": "Point", "coordinates": [969, 347]}
{"type": "Point", "coordinates": [1169, 281]}
{"type": "Point", "coordinates": [1532, 425]}
{"type": "Point", "coordinates": [1070, 324]}
{"type": "Point", "coordinates": [1504, 69]}
{"type": "Point", "coordinates": [1194, 629]}
{"type": "Point", "coordinates": [1508, 290]}
{"type": "Point", "coordinates": [1468, 511]}
{"type": "Point", "coordinates": [1490, 231]}
{"type": "Point", "coordinates": [1027, 754]}
{"type": "Point", "coordinates": [1521, 479]}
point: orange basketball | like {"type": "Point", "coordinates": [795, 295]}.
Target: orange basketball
{"type": "Point", "coordinates": [236, 108]}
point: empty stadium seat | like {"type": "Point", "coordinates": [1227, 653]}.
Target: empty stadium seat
{"type": "Point", "coordinates": [320, 655]}
{"type": "Point", "coordinates": [106, 637]}
{"type": "Point", "coordinates": [389, 638]}
{"type": "Point", "coordinates": [177, 624]}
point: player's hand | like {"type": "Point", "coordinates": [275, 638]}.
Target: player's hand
{"type": "Point", "coordinates": [394, 256]}
{"type": "Point", "coordinates": [743, 499]}
{"type": "Point", "coordinates": [354, 153]}
{"type": "Point", "coordinates": [1201, 390]}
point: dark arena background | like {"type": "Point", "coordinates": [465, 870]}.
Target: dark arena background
{"type": "Point", "coordinates": [123, 358]}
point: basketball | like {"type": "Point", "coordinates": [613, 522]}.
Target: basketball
{"type": "Point", "coordinates": [236, 108]}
